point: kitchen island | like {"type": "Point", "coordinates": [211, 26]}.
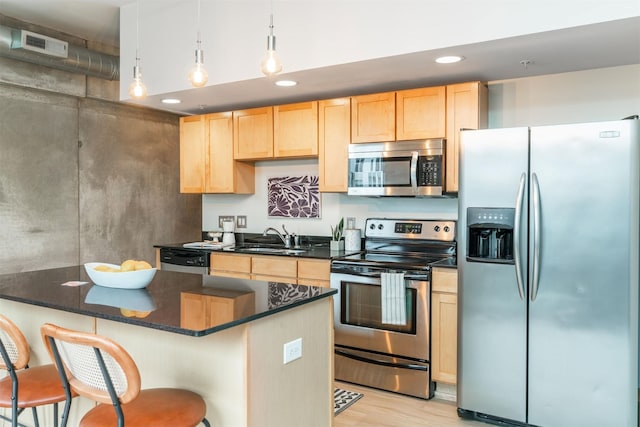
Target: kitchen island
{"type": "Point", "coordinates": [220, 337]}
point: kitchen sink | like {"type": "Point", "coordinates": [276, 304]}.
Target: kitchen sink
{"type": "Point", "coordinates": [264, 250]}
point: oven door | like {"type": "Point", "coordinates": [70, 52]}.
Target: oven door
{"type": "Point", "coordinates": [358, 320]}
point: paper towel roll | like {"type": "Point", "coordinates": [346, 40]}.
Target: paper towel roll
{"type": "Point", "coordinates": [352, 240]}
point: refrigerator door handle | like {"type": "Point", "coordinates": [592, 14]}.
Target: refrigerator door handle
{"type": "Point", "coordinates": [517, 224]}
{"type": "Point", "coordinates": [535, 281]}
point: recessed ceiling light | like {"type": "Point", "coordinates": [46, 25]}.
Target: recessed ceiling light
{"type": "Point", "coordinates": [170, 101]}
{"type": "Point", "coordinates": [449, 59]}
{"type": "Point", "coordinates": [286, 83]}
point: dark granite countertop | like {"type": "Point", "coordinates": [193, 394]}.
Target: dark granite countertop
{"type": "Point", "coordinates": [158, 305]}
{"type": "Point", "coordinates": [313, 246]}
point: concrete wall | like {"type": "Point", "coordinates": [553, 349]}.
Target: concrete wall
{"type": "Point", "coordinates": [82, 177]}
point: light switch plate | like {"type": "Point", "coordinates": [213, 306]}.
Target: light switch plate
{"type": "Point", "coordinates": [241, 221]}
{"type": "Point", "coordinates": [292, 350]}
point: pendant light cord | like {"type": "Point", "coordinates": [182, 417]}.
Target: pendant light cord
{"type": "Point", "coordinates": [137, 31]}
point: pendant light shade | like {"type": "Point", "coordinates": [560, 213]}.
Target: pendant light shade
{"type": "Point", "coordinates": [271, 64]}
{"type": "Point", "coordinates": [198, 75]}
{"type": "Point", "coordinates": [137, 89]}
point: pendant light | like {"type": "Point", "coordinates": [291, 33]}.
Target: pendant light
{"type": "Point", "coordinates": [271, 64]}
{"type": "Point", "coordinates": [137, 89]}
{"type": "Point", "coordinates": [198, 75]}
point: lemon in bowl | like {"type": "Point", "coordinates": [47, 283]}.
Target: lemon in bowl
{"type": "Point", "coordinates": [131, 274]}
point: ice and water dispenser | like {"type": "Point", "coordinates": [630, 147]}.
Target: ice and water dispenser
{"type": "Point", "coordinates": [490, 234]}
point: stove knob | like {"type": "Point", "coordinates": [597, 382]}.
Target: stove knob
{"type": "Point", "coordinates": [436, 228]}
{"type": "Point", "coordinates": [446, 229]}
{"type": "Point", "coordinates": [380, 226]}
{"type": "Point", "coordinates": [372, 226]}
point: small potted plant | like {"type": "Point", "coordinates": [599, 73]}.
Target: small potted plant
{"type": "Point", "coordinates": [337, 244]}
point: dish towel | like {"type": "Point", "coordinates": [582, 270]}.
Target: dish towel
{"type": "Point", "coordinates": [394, 305]}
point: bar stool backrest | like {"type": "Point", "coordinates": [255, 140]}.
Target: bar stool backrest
{"type": "Point", "coordinates": [95, 366]}
{"type": "Point", "coordinates": [15, 345]}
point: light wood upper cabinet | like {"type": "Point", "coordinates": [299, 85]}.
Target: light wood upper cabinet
{"type": "Point", "coordinates": [334, 135]}
{"type": "Point", "coordinates": [466, 109]}
{"type": "Point", "coordinates": [444, 326]}
{"type": "Point", "coordinates": [253, 133]}
{"type": "Point", "coordinates": [206, 157]}
{"type": "Point", "coordinates": [373, 117]}
{"type": "Point", "coordinates": [224, 174]}
{"type": "Point", "coordinates": [192, 154]}
{"type": "Point", "coordinates": [295, 130]}
{"type": "Point", "coordinates": [420, 113]}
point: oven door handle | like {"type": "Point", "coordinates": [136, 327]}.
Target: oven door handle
{"type": "Point", "coordinates": [381, 362]}
{"type": "Point", "coordinates": [376, 275]}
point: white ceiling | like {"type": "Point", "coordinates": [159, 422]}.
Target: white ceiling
{"type": "Point", "coordinates": [600, 45]}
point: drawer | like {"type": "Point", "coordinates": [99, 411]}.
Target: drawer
{"type": "Point", "coordinates": [231, 262]}
{"type": "Point", "coordinates": [314, 269]}
{"type": "Point", "coordinates": [274, 266]}
{"type": "Point", "coordinates": [444, 280]}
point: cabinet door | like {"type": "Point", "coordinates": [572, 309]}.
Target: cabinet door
{"type": "Point", "coordinates": [253, 134]}
{"type": "Point", "coordinates": [295, 130]}
{"type": "Point", "coordinates": [192, 154]}
{"type": "Point", "coordinates": [334, 135]}
{"type": "Point", "coordinates": [420, 113]}
{"type": "Point", "coordinates": [314, 272]}
{"type": "Point", "coordinates": [444, 348]}
{"type": "Point", "coordinates": [373, 117]}
{"type": "Point", "coordinates": [193, 313]}
{"type": "Point", "coordinates": [466, 109]}
{"type": "Point", "coordinates": [444, 324]}
{"type": "Point", "coordinates": [223, 173]}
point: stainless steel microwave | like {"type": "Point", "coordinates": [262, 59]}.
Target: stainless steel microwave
{"type": "Point", "coordinates": [402, 168]}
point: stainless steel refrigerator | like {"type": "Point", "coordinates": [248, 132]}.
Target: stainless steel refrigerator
{"type": "Point", "coordinates": [548, 274]}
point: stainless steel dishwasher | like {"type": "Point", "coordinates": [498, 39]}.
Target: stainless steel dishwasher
{"type": "Point", "coordinates": [184, 260]}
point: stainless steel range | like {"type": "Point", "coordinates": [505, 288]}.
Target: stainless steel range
{"type": "Point", "coordinates": [383, 305]}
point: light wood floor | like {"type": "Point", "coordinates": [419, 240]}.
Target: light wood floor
{"type": "Point", "coordinates": [384, 409]}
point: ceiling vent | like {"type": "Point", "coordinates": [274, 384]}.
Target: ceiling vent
{"type": "Point", "coordinates": [27, 46]}
{"type": "Point", "coordinates": [42, 44]}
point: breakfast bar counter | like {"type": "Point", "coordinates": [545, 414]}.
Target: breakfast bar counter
{"type": "Point", "coordinates": [220, 337]}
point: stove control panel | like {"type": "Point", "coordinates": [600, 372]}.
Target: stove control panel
{"type": "Point", "coordinates": [442, 230]}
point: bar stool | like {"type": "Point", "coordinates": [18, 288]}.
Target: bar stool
{"type": "Point", "coordinates": [100, 369]}
{"type": "Point", "coordinates": [25, 387]}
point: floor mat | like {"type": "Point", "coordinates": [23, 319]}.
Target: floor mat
{"type": "Point", "coordinates": [342, 399]}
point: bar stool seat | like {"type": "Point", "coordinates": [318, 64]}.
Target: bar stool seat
{"type": "Point", "coordinates": [38, 386]}
{"type": "Point", "coordinates": [174, 407]}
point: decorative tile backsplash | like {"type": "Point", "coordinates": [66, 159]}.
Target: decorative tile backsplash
{"type": "Point", "coordinates": [294, 197]}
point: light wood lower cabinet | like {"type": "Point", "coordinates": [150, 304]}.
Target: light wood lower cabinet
{"type": "Point", "coordinates": [444, 325]}
{"type": "Point", "coordinates": [303, 271]}
{"type": "Point", "coordinates": [202, 310]}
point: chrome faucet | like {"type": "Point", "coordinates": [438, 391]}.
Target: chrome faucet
{"type": "Point", "coordinates": [286, 238]}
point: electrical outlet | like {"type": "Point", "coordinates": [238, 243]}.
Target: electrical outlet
{"type": "Point", "coordinates": [292, 350]}
{"type": "Point", "coordinates": [222, 218]}
{"type": "Point", "coordinates": [241, 221]}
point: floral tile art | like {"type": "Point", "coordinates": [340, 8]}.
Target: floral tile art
{"type": "Point", "coordinates": [294, 197]}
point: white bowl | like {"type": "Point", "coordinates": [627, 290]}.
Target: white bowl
{"type": "Point", "coordinates": [123, 280]}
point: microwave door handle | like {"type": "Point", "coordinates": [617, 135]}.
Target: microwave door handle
{"type": "Point", "coordinates": [414, 171]}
